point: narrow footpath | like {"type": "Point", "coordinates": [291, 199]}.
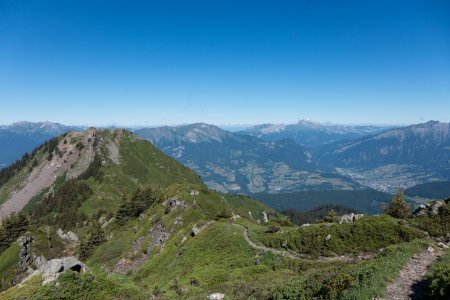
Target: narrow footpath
{"type": "Point", "coordinates": [408, 283]}
{"type": "Point", "coordinates": [286, 253]}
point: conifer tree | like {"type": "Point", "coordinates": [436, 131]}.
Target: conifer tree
{"type": "Point", "coordinates": [398, 208]}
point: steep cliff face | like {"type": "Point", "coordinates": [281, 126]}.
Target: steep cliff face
{"type": "Point", "coordinates": [68, 155]}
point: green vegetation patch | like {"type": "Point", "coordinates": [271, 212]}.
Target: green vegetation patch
{"type": "Point", "coordinates": [72, 285]}
{"type": "Point", "coordinates": [12, 228]}
{"type": "Point", "coordinates": [9, 265]}
{"type": "Point", "coordinates": [438, 279]}
{"type": "Point", "coordinates": [144, 162]}
{"type": "Point", "coordinates": [368, 234]}
{"type": "Point", "coordinates": [316, 214]}
{"type": "Point", "coordinates": [216, 260]}
{"type": "Point", "coordinates": [436, 225]}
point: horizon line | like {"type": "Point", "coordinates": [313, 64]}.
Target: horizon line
{"type": "Point", "coordinates": [221, 125]}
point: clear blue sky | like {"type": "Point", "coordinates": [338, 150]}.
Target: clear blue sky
{"type": "Point", "coordinates": [170, 62]}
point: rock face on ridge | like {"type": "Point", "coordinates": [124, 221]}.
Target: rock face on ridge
{"type": "Point", "coordinates": [431, 208]}
{"type": "Point", "coordinates": [51, 269]}
{"type": "Point", "coordinates": [71, 156]}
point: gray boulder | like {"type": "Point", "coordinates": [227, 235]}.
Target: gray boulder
{"type": "Point", "coordinates": [72, 263]}
{"type": "Point", "coordinates": [70, 236]}
{"type": "Point", "coordinates": [265, 218]}
{"type": "Point", "coordinates": [216, 296]}
{"type": "Point", "coordinates": [430, 208]}
{"type": "Point", "coordinates": [50, 270]}
{"type": "Point", "coordinates": [350, 218]}
{"type": "Point", "coordinates": [195, 230]}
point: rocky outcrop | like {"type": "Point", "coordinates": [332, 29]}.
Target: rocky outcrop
{"type": "Point", "coordinates": [216, 296]}
{"type": "Point", "coordinates": [159, 235]}
{"type": "Point", "coordinates": [51, 269]}
{"type": "Point", "coordinates": [69, 236]}
{"type": "Point", "coordinates": [350, 218]}
{"type": "Point", "coordinates": [25, 257]}
{"type": "Point", "coordinates": [173, 203]}
{"type": "Point", "coordinates": [431, 208]}
{"type": "Point", "coordinates": [234, 217]}
{"type": "Point", "coordinates": [265, 218]}
{"type": "Point", "coordinates": [107, 223]}
{"type": "Point", "coordinates": [196, 230]}
{"type": "Point", "coordinates": [135, 257]}
{"type": "Point", "coordinates": [141, 248]}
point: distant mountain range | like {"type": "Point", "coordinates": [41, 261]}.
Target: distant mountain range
{"type": "Point", "coordinates": [238, 163]}
{"type": "Point", "coordinates": [21, 137]}
{"type": "Point", "coordinates": [274, 158]}
{"type": "Point", "coordinates": [311, 134]}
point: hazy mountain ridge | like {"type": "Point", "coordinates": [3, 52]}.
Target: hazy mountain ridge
{"type": "Point", "coordinates": [311, 134]}
{"type": "Point", "coordinates": [22, 137]}
{"type": "Point", "coordinates": [33, 128]}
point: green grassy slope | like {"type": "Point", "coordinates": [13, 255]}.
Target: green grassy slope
{"type": "Point", "coordinates": [141, 165]}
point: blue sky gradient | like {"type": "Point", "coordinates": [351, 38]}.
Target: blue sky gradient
{"type": "Point", "coordinates": [224, 62]}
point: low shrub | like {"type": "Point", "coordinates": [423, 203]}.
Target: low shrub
{"type": "Point", "coordinates": [365, 235]}
{"type": "Point", "coordinates": [438, 279]}
{"type": "Point", "coordinates": [436, 225]}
